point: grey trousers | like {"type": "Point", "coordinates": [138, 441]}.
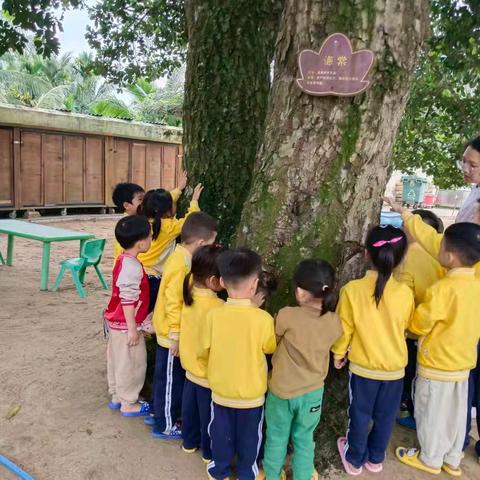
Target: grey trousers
{"type": "Point", "coordinates": [441, 415]}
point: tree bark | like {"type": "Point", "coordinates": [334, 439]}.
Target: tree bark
{"type": "Point", "coordinates": [324, 162]}
{"type": "Point", "coordinates": [230, 50]}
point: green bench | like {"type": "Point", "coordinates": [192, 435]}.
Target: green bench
{"type": "Point", "coordinates": [41, 233]}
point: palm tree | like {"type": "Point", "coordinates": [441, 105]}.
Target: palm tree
{"type": "Point", "coordinates": [64, 83]}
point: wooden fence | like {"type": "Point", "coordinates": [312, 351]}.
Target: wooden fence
{"type": "Point", "coordinates": [55, 169]}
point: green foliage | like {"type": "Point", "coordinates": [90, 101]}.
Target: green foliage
{"type": "Point", "coordinates": [137, 39]}
{"type": "Point", "coordinates": [443, 112]}
{"type": "Point", "coordinates": [65, 83]}
{"type": "Point", "coordinates": [40, 18]}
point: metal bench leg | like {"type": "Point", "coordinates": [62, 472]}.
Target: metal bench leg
{"type": "Point", "coordinates": [59, 278]}
{"type": "Point", "coordinates": [11, 239]}
{"type": "Point", "coordinates": [45, 266]}
{"type": "Point", "coordinates": [100, 276]}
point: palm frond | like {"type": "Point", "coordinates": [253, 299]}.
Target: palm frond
{"type": "Point", "coordinates": [55, 99]}
{"type": "Point", "coordinates": [111, 107]}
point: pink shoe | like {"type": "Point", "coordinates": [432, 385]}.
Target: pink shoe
{"type": "Point", "coordinates": [374, 467]}
{"type": "Point", "coordinates": [349, 468]}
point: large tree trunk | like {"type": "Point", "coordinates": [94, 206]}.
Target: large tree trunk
{"type": "Point", "coordinates": [230, 50]}
{"type": "Point", "coordinates": [323, 165]}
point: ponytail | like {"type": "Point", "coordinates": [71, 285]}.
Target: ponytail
{"type": "Point", "coordinates": [157, 225]}
{"type": "Point", "coordinates": [156, 204]}
{"type": "Point", "coordinates": [204, 266]}
{"type": "Point", "coordinates": [386, 261]}
{"type": "Point", "coordinates": [386, 246]}
{"type": "Point", "coordinates": [187, 290]}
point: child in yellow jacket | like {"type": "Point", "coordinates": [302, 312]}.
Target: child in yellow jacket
{"type": "Point", "coordinates": [235, 340]}
{"type": "Point", "coordinates": [159, 206]}
{"type": "Point", "coordinates": [419, 271]}
{"type": "Point", "coordinates": [431, 241]}
{"type": "Point", "coordinates": [199, 296]}
{"type": "Point", "coordinates": [375, 312]}
{"type": "Point", "coordinates": [447, 323]}
{"type": "Point", "coordinates": [199, 229]}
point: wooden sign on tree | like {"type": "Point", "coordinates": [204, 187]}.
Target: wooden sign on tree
{"type": "Point", "coordinates": [335, 69]}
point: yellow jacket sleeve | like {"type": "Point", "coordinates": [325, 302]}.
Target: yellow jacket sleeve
{"type": "Point", "coordinates": [203, 351]}
{"type": "Point", "coordinates": [176, 224]}
{"type": "Point", "coordinates": [270, 341]}
{"type": "Point", "coordinates": [174, 303]}
{"type": "Point", "coordinates": [407, 278]}
{"type": "Point", "coordinates": [423, 233]}
{"type": "Point", "coordinates": [345, 312]}
{"type": "Point", "coordinates": [117, 250]}
{"type": "Point", "coordinates": [175, 193]}
{"type": "Point", "coordinates": [428, 313]}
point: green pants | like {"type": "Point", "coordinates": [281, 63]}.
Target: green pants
{"type": "Point", "coordinates": [296, 418]}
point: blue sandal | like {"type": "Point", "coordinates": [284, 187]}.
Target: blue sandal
{"type": "Point", "coordinates": [114, 406]}
{"type": "Point", "coordinates": [143, 412]}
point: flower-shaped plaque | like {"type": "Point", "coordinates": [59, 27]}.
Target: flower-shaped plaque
{"type": "Point", "coordinates": [335, 69]}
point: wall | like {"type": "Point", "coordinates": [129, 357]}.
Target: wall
{"type": "Point", "coordinates": [47, 168]}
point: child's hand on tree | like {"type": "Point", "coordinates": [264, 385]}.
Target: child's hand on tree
{"type": "Point", "coordinates": [182, 181]}
{"type": "Point", "coordinates": [132, 337]}
{"type": "Point", "coordinates": [340, 363]}
{"type": "Point", "coordinates": [394, 205]}
{"type": "Point", "coordinates": [197, 192]}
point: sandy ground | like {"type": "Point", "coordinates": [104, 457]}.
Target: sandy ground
{"type": "Point", "coordinates": [52, 366]}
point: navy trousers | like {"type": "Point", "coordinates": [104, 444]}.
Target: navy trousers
{"type": "Point", "coordinates": [196, 414]}
{"type": "Point", "coordinates": [371, 401]}
{"type": "Point", "coordinates": [474, 401]}
{"type": "Point", "coordinates": [235, 431]}
{"type": "Point", "coordinates": [154, 284]}
{"type": "Point", "coordinates": [168, 380]}
{"type": "Point", "coordinates": [410, 375]}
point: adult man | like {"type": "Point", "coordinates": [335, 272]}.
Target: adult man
{"type": "Point", "coordinates": [470, 165]}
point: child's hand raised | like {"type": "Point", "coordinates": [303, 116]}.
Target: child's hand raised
{"type": "Point", "coordinates": [197, 192]}
{"type": "Point", "coordinates": [395, 206]}
{"type": "Point", "coordinates": [340, 363]}
{"type": "Point", "coordinates": [182, 181]}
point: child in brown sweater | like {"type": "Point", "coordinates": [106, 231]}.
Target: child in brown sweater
{"type": "Point", "coordinates": [305, 335]}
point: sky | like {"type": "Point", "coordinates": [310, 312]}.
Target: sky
{"type": "Point", "coordinates": [72, 39]}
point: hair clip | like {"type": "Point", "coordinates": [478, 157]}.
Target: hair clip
{"type": "Point", "coordinates": [325, 288]}
{"type": "Point", "coordinates": [381, 243]}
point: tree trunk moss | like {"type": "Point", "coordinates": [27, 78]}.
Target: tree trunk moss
{"type": "Point", "coordinates": [230, 51]}
{"type": "Point", "coordinates": [323, 165]}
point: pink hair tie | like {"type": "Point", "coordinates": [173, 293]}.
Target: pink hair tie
{"type": "Point", "coordinates": [381, 243]}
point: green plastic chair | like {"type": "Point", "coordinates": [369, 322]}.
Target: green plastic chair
{"type": "Point", "coordinates": [90, 256]}
{"type": "Point", "coordinates": [2, 261]}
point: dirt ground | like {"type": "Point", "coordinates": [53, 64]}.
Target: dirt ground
{"type": "Point", "coordinates": [52, 366]}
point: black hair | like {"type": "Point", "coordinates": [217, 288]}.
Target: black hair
{"type": "Point", "coordinates": [430, 219]}
{"type": "Point", "coordinates": [317, 277]}
{"type": "Point", "coordinates": [198, 226]}
{"type": "Point", "coordinates": [238, 264]}
{"type": "Point", "coordinates": [474, 143]}
{"type": "Point", "coordinates": [124, 193]}
{"type": "Point", "coordinates": [156, 204]}
{"type": "Point", "coordinates": [267, 283]}
{"type": "Point", "coordinates": [386, 246]}
{"type": "Point", "coordinates": [463, 239]}
{"type": "Point", "coordinates": [129, 230]}
{"type": "Point", "coordinates": [204, 266]}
